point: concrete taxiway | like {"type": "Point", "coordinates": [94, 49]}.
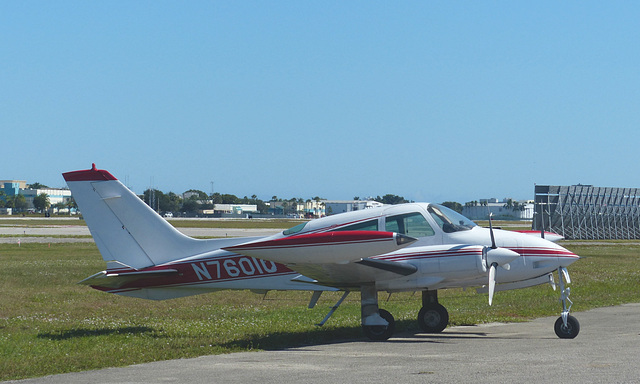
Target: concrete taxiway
{"type": "Point", "coordinates": [607, 350]}
{"type": "Point", "coordinates": [27, 234]}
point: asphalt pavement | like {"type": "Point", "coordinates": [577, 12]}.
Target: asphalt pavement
{"type": "Point", "coordinates": [607, 350]}
{"type": "Point", "coordinates": [25, 234]}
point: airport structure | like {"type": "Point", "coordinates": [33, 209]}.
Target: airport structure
{"type": "Point", "coordinates": [334, 207]}
{"type": "Point", "coordinates": [12, 188]}
{"type": "Point", "coordinates": [507, 209]}
{"type": "Point", "coordinates": [588, 213]}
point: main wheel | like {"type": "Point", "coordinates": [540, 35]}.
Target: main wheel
{"type": "Point", "coordinates": [569, 331]}
{"type": "Point", "coordinates": [381, 332]}
{"type": "Point", "coordinates": [433, 318]}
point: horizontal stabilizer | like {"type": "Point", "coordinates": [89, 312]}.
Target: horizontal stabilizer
{"type": "Point", "coordinates": [105, 279]}
{"type": "Point", "coordinates": [324, 248]}
{"type": "Point", "coordinates": [404, 269]}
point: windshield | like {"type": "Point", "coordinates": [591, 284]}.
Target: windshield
{"type": "Point", "coordinates": [295, 229]}
{"type": "Point", "coordinates": [449, 220]}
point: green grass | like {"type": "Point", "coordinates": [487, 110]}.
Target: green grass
{"type": "Point", "coordinates": [186, 223]}
{"type": "Point", "coordinates": [38, 222]}
{"type": "Point", "coordinates": [49, 324]}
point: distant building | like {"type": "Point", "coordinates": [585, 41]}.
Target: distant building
{"type": "Point", "coordinates": [507, 209]}
{"type": "Point", "coordinates": [333, 207]}
{"type": "Point", "coordinates": [13, 188]}
{"type": "Point", "coordinates": [55, 195]}
{"type": "Point", "coordinates": [237, 209]}
{"type": "Point", "coordinates": [230, 210]}
{"type": "Point", "coordinates": [308, 209]}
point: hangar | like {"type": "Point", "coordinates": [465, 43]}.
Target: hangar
{"type": "Point", "coordinates": [586, 212]}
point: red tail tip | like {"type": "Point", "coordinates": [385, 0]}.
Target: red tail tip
{"type": "Point", "coordinates": [93, 174]}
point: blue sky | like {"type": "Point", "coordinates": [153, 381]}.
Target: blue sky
{"type": "Point", "coordinates": [431, 100]}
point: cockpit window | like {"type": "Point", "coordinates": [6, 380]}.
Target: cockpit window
{"type": "Point", "coordinates": [295, 229]}
{"type": "Point", "coordinates": [449, 220]}
{"type": "Point", "coordinates": [410, 224]}
{"type": "Point", "coordinates": [371, 225]}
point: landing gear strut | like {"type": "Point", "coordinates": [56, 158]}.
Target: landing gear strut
{"type": "Point", "coordinates": [377, 324]}
{"type": "Point", "coordinates": [567, 326]}
{"type": "Point", "coordinates": [433, 317]}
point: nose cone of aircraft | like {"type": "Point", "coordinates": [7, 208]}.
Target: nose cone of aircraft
{"type": "Point", "coordinates": [565, 256]}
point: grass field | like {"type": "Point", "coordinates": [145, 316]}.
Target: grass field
{"type": "Point", "coordinates": [49, 324]}
{"type": "Point", "coordinates": [187, 223]}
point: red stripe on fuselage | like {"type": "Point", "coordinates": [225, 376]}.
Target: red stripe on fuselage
{"type": "Point", "coordinates": [318, 239]}
{"type": "Point", "coordinates": [430, 254]}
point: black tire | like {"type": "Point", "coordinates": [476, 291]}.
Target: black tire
{"type": "Point", "coordinates": [381, 332]}
{"type": "Point", "coordinates": [570, 331]}
{"type": "Point", "coordinates": [433, 318]}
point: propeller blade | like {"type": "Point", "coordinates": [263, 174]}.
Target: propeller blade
{"type": "Point", "coordinates": [493, 240]}
{"type": "Point", "coordinates": [492, 281]}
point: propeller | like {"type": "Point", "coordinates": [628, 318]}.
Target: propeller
{"type": "Point", "coordinates": [492, 266]}
{"type": "Point", "coordinates": [494, 257]}
{"type": "Point", "coordinates": [492, 281]}
{"type": "Point", "coordinates": [493, 239]}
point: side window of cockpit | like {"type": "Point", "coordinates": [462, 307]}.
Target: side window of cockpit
{"type": "Point", "coordinates": [371, 225]}
{"type": "Point", "coordinates": [410, 224]}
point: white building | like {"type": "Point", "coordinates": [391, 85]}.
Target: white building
{"type": "Point", "coordinates": [333, 207]}
{"type": "Point", "coordinates": [55, 195]}
{"type": "Point", "coordinates": [237, 209]}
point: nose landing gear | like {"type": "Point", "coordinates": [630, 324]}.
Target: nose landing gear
{"type": "Point", "coordinates": [567, 326]}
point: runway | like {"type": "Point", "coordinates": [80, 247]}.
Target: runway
{"type": "Point", "coordinates": [606, 351]}
{"type": "Point", "coordinates": [43, 234]}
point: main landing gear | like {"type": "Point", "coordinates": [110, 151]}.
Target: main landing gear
{"type": "Point", "coordinates": [379, 324]}
{"type": "Point", "coordinates": [433, 316]}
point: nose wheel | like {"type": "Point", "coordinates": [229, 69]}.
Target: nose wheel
{"type": "Point", "coordinates": [566, 326]}
{"type": "Point", "coordinates": [568, 330]}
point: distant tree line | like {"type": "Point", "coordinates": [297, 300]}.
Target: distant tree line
{"type": "Point", "coordinates": [198, 200]}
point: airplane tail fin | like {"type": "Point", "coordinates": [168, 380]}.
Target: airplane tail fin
{"type": "Point", "coordinates": [128, 233]}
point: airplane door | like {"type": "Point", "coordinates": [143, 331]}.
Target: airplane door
{"type": "Point", "coordinates": [411, 221]}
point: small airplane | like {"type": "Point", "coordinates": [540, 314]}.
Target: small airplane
{"type": "Point", "coordinates": [408, 247]}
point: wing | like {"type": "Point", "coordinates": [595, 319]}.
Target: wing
{"type": "Point", "coordinates": [339, 259]}
{"type": "Point", "coordinates": [339, 247]}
